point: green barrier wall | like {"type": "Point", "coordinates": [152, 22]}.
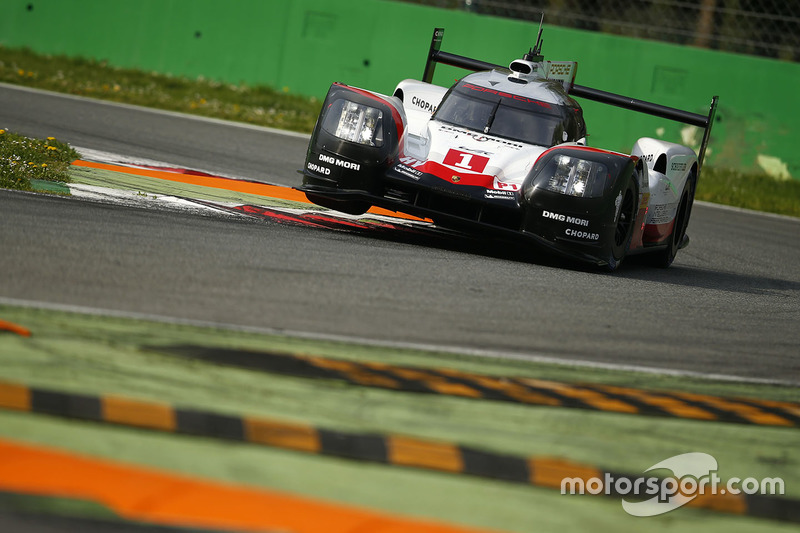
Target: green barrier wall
{"type": "Point", "coordinates": [304, 45]}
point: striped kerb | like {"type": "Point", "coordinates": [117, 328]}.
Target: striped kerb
{"type": "Point", "coordinates": [17, 397]}
{"type": "Point", "coordinates": [406, 451]}
{"type": "Point", "coordinates": [547, 472]}
{"type": "Point", "coordinates": [137, 413]}
{"type": "Point", "coordinates": [282, 435]}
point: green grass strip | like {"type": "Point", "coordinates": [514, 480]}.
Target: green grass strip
{"type": "Point", "coordinates": [103, 355]}
{"type": "Point", "coordinates": [25, 162]}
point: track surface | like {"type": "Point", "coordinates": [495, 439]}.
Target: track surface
{"type": "Point", "coordinates": [729, 305]}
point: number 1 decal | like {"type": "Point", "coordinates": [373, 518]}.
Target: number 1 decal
{"type": "Point", "coordinates": [464, 163]}
{"type": "Point", "coordinates": [472, 162]}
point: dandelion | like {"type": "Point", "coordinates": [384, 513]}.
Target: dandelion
{"type": "Point", "coordinates": [44, 165]}
{"type": "Point", "coordinates": [2, 132]}
{"type": "Point", "coordinates": [51, 138]}
{"type": "Point", "coordinates": [52, 148]}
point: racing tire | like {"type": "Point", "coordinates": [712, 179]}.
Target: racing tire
{"type": "Point", "coordinates": [350, 207]}
{"type": "Point", "coordinates": [623, 224]}
{"type": "Point", "coordinates": [664, 257]}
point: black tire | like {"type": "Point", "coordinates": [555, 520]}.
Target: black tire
{"type": "Point", "coordinates": [624, 223]}
{"type": "Point", "coordinates": [349, 207]}
{"type": "Point", "coordinates": [664, 257]}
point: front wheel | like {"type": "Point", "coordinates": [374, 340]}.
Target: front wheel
{"type": "Point", "coordinates": [623, 224]}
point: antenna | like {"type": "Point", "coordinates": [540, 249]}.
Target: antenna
{"type": "Point", "coordinates": [535, 54]}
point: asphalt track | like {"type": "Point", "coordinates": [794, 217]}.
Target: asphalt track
{"type": "Point", "coordinates": [728, 306]}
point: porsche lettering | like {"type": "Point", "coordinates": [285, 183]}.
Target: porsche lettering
{"type": "Point", "coordinates": [506, 95]}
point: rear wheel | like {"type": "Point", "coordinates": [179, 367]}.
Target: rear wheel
{"type": "Point", "coordinates": [664, 258]}
{"type": "Point", "coordinates": [623, 225]}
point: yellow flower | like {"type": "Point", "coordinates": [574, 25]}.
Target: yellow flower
{"type": "Point", "coordinates": [52, 148]}
{"type": "Point", "coordinates": [51, 138]}
{"type": "Point", "coordinates": [2, 132]}
{"type": "Point", "coordinates": [44, 165]}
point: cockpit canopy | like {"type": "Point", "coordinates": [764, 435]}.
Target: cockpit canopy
{"type": "Point", "coordinates": [511, 116]}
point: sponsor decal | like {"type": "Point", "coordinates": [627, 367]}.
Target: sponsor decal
{"type": "Point", "coordinates": [467, 161]}
{"type": "Point", "coordinates": [516, 97]}
{"type": "Point", "coordinates": [408, 171]}
{"type": "Point", "coordinates": [565, 218]}
{"type": "Point", "coordinates": [554, 216]}
{"type": "Point", "coordinates": [617, 206]}
{"type": "Point", "coordinates": [423, 104]}
{"type": "Point", "coordinates": [677, 166]}
{"type": "Point", "coordinates": [411, 161]}
{"type": "Point", "coordinates": [338, 162]}
{"type": "Point", "coordinates": [479, 136]}
{"type": "Point", "coordinates": [661, 213]}
{"type": "Point", "coordinates": [319, 169]}
{"type": "Point", "coordinates": [560, 68]}
{"type": "Point", "coordinates": [649, 158]}
{"type": "Point", "coordinates": [578, 234]}
{"type": "Point", "coordinates": [487, 154]}
{"type": "Point", "coordinates": [504, 186]}
{"type": "Point", "coordinates": [498, 195]}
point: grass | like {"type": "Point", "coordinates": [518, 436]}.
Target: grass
{"type": "Point", "coordinates": [91, 354]}
{"type": "Point", "coordinates": [23, 160]}
{"type": "Point", "coordinates": [750, 191]}
{"type": "Point", "coordinates": [258, 105]}
{"type": "Point", "coordinates": [265, 106]}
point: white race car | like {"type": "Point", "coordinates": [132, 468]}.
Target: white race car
{"type": "Point", "coordinates": [503, 152]}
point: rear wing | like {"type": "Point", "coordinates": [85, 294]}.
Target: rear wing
{"type": "Point", "coordinates": [436, 55]}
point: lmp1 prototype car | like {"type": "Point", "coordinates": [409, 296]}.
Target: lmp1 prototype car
{"type": "Point", "coordinates": [503, 152]}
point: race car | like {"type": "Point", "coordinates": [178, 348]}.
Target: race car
{"type": "Point", "coordinates": [503, 153]}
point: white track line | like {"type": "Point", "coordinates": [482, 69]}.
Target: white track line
{"type": "Point", "coordinates": [455, 350]}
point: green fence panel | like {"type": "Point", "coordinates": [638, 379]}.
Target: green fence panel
{"type": "Point", "coordinates": [302, 46]}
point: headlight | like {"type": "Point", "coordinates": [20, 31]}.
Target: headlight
{"type": "Point", "coordinates": [574, 177]}
{"type": "Point", "coordinates": [354, 122]}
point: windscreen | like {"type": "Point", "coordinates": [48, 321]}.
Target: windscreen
{"type": "Point", "coordinates": [508, 116]}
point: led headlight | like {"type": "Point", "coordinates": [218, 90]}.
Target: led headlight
{"type": "Point", "coordinates": [356, 123]}
{"type": "Point", "coordinates": [575, 177]}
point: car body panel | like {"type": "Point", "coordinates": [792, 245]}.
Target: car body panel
{"type": "Point", "coordinates": [502, 152]}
